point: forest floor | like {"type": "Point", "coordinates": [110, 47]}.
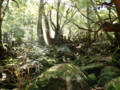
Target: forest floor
{"type": "Point", "coordinates": [25, 64]}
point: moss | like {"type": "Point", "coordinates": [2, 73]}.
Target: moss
{"type": "Point", "coordinates": [58, 76]}
{"type": "Point", "coordinates": [54, 84]}
{"type": "Point", "coordinates": [92, 79]}
{"type": "Point", "coordinates": [32, 87]}
{"type": "Point", "coordinates": [107, 74]}
{"type": "Point", "coordinates": [93, 66]}
{"type": "Point", "coordinates": [113, 84]}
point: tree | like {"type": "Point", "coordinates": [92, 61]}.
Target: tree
{"type": "Point", "coordinates": [54, 25]}
{"type": "Point", "coordinates": [39, 26]}
{"type": "Point", "coordinates": [48, 39]}
{"type": "Point", "coordinates": [117, 5]}
{"type": "Point", "coordinates": [2, 14]}
{"type": "Point", "coordinates": [110, 26]}
{"type": "Point", "coordinates": [89, 22]}
{"type": "Point", "coordinates": [1, 19]}
{"type": "Point", "coordinates": [40, 30]}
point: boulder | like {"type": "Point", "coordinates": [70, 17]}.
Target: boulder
{"type": "Point", "coordinates": [114, 84]}
{"type": "Point", "coordinates": [93, 66]}
{"type": "Point", "coordinates": [62, 77]}
{"type": "Point", "coordinates": [107, 74]}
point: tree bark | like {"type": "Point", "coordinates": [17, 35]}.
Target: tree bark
{"type": "Point", "coordinates": [88, 23]}
{"type": "Point", "coordinates": [48, 39]}
{"type": "Point", "coordinates": [39, 26]}
{"type": "Point", "coordinates": [1, 19]}
{"type": "Point", "coordinates": [0, 32]}
{"type": "Point", "coordinates": [57, 30]}
{"type": "Point", "coordinates": [117, 5]}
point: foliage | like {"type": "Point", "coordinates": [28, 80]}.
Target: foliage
{"type": "Point", "coordinates": [92, 79]}
{"type": "Point", "coordinates": [32, 87]}
{"type": "Point", "coordinates": [113, 84]}
{"type": "Point", "coordinates": [116, 57]}
{"type": "Point", "coordinates": [21, 26]}
{"type": "Point", "coordinates": [107, 74]}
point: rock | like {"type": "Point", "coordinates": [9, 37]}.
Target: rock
{"type": "Point", "coordinates": [62, 77]}
{"type": "Point", "coordinates": [93, 66]}
{"type": "Point", "coordinates": [107, 74]}
{"type": "Point", "coordinates": [114, 84]}
{"type": "Point", "coordinates": [32, 87]}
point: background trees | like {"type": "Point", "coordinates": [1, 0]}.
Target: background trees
{"type": "Point", "coordinates": [64, 18]}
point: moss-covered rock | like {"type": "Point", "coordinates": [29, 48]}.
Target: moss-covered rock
{"type": "Point", "coordinates": [114, 84]}
{"type": "Point", "coordinates": [32, 86]}
{"type": "Point", "coordinates": [62, 77]}
{"type": "Point", "coordinates": [93, 66]}
{"type": "Point", "coordinates": [107, 74]}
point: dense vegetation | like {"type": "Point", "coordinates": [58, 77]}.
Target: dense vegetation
{"type": "Point", "coordinates": [59, 44]}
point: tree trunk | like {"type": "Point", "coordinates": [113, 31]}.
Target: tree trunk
{"type": "Point", "coordinates": [0, 32]}
{"type": "Point", "coordinates": [1, 20]}
{"type": "Point", "coordinates": [1, 44]}
{"type": "Point", "coordinates": [57, 30]}
{"type": "Point", "coordinates": [88, 23]}
{"type": "Point", "coordinates": [39, 26]}
{"type": "Point", "coordinates": [117, 5]}
{"type": "Point", "coordinates": [48, 39]}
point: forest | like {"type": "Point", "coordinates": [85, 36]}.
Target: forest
{"type": "Point", "coordinates": [59, 44]}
